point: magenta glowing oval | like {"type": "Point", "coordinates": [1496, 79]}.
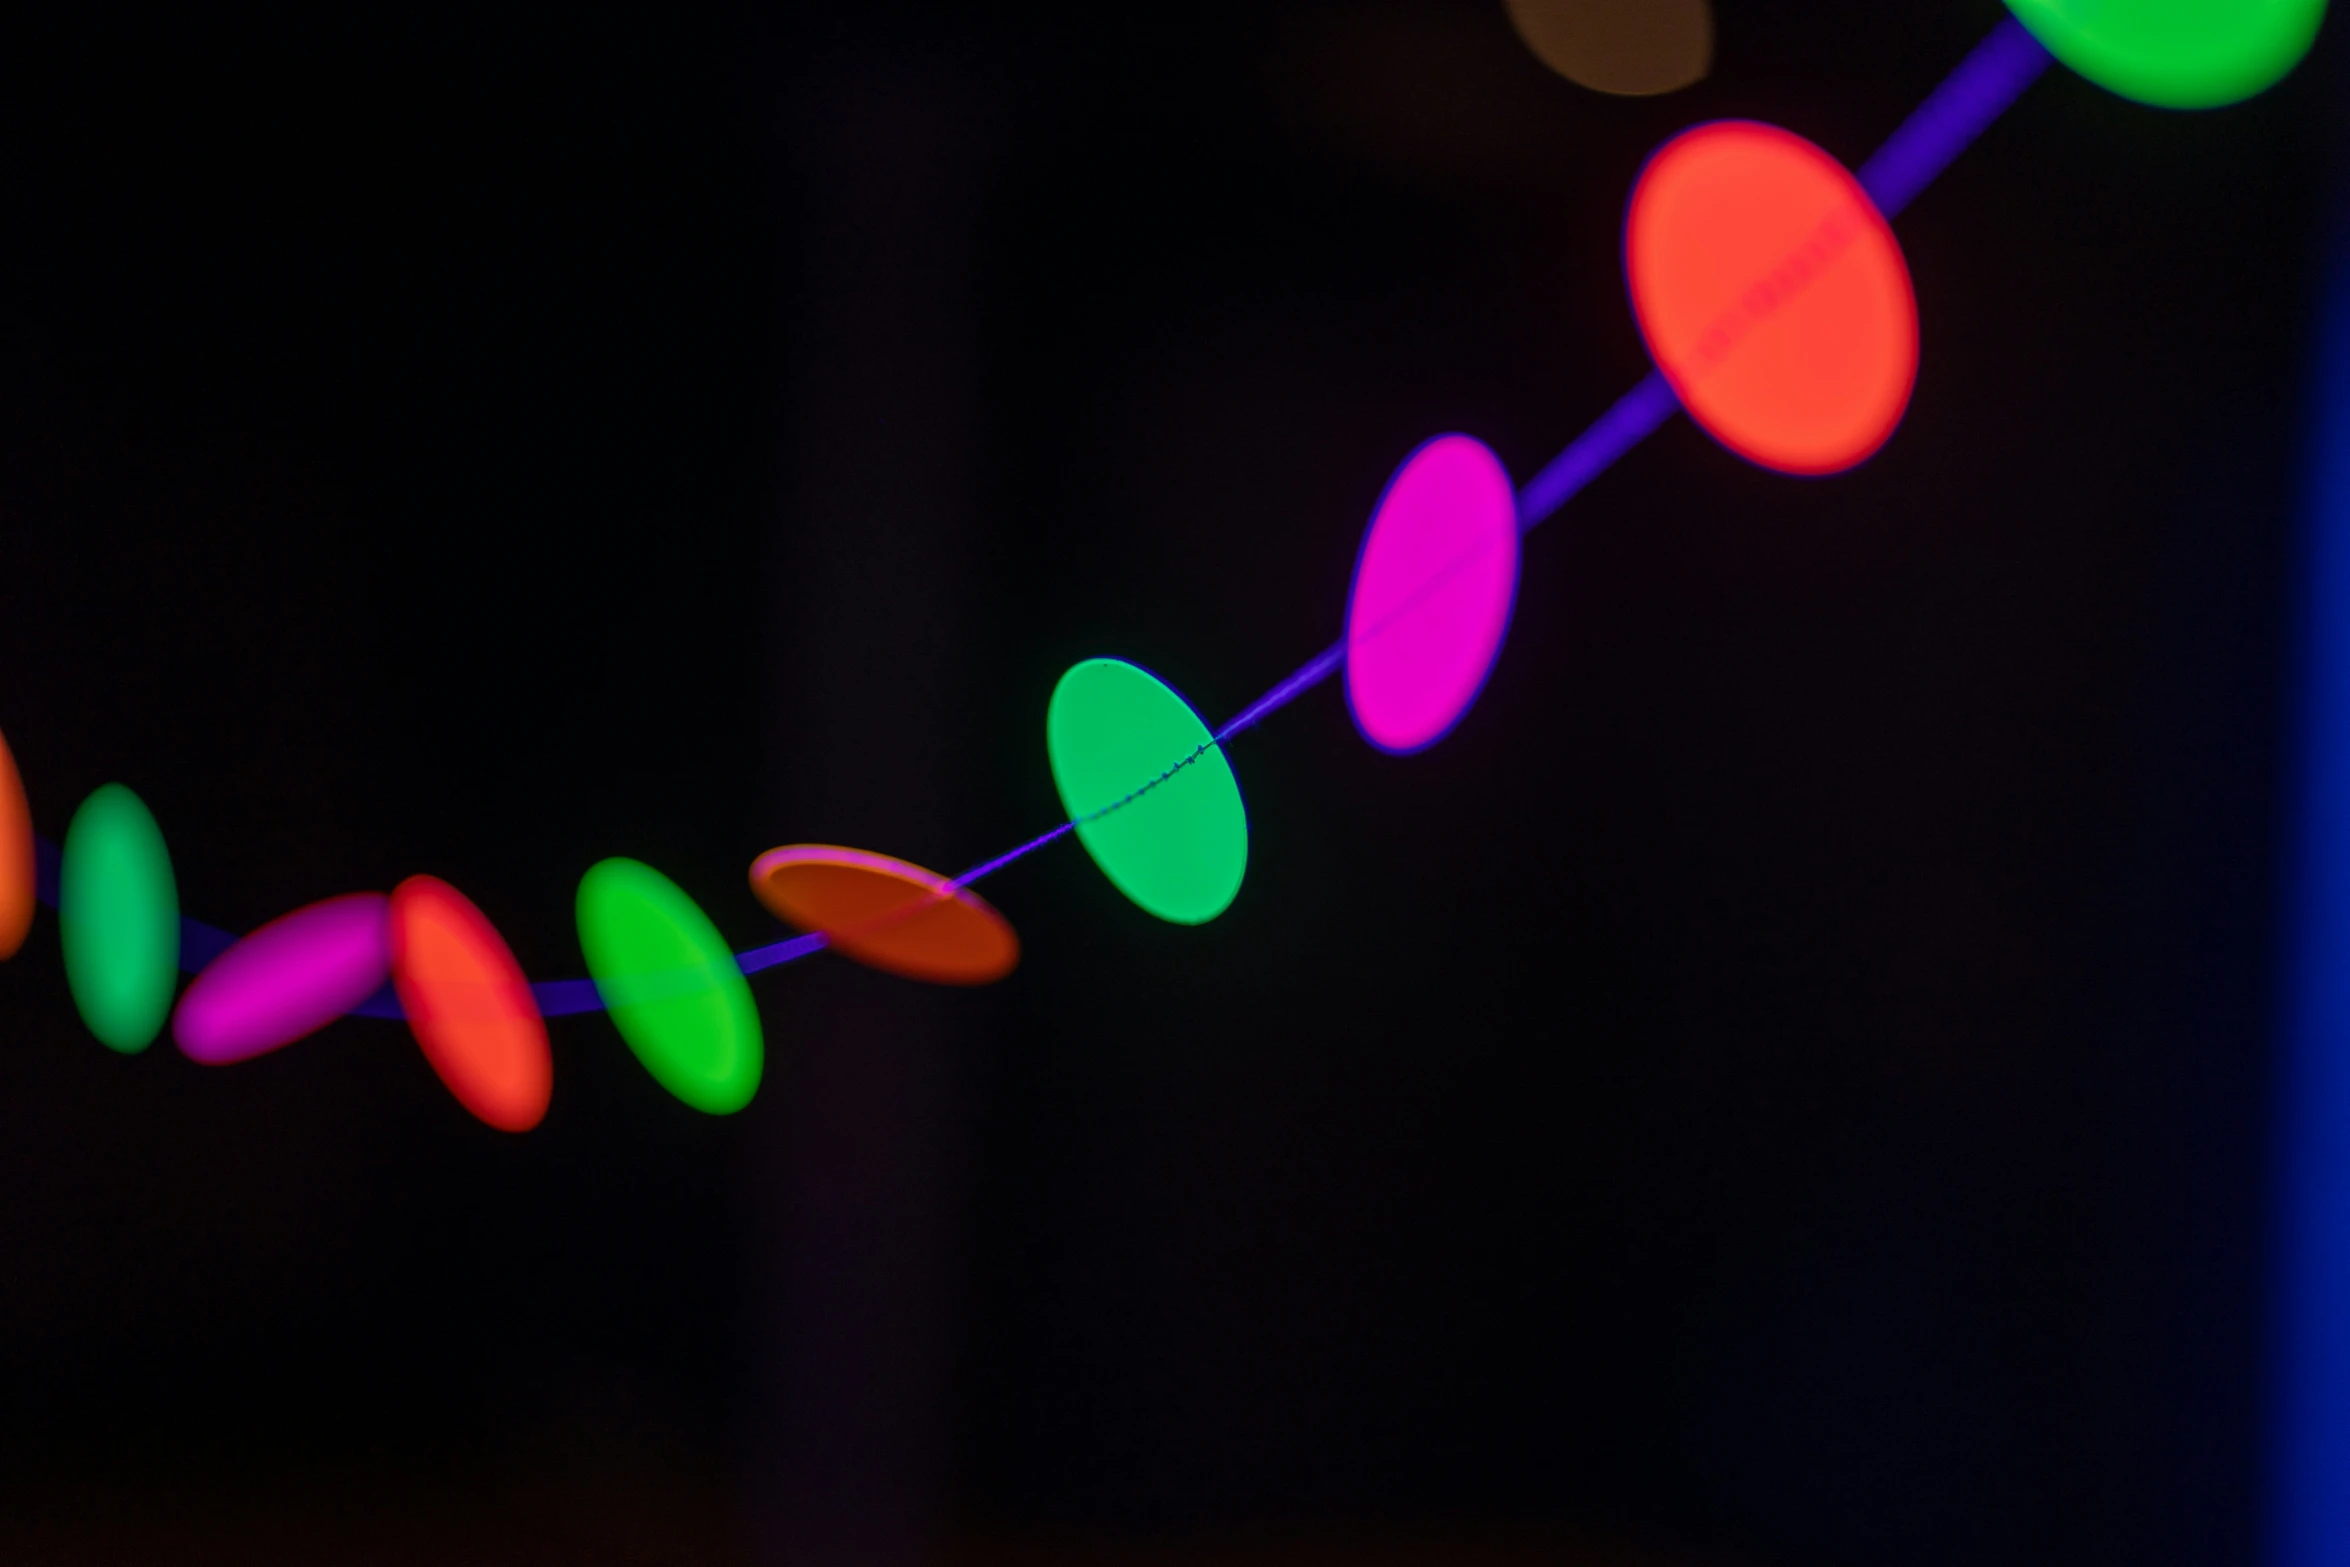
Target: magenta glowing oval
{"type": "Point", "coordinates": [291, 977]}
{"type": "Point", "coordinates": [1432, 593]}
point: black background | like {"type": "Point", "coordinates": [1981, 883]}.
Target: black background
{"type": "Point", "coordinates": [1782, 1083]}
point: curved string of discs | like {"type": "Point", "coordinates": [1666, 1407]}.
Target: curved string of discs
{"type": "Point", "coordinates": [1968, 101]}
{"type": "Point", "coordinates": [1985, 84]}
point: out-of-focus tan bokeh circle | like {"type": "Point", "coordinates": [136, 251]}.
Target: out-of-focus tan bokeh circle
{"type": "Point", "coordinates": [1631, 47]}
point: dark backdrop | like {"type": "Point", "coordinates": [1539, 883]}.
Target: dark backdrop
{"type": "Point", "coordinates": [1782, 1080]}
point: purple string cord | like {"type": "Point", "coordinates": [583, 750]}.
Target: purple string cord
{"type": "Point", "coordinates": [201, 943]}
{"type": "Point", "coordinates": [1636, 416]}
{"type": "Point", "coordinates": [1985, 84]}
{"type": "Point", "coordinates": [1990, 79]}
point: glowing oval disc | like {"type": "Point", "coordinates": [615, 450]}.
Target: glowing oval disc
{"type": "Point", "coordinates": [1432, 594]}
{"type": "Point", "coordinates": [671, 984]}
{"type": "Point", "coordinates": [887, 914]}
{"type": "Point", "coordinates": [469, 1005]}
{"type": "Point", "coordinates": [118, 916]}
{"type": "Point", "coordinates": [2176, 54]}
{"type": "Point", "coordinates": [291, 977]}
{"type": "Point", "coordinates": [1153, 798]}
{"type": "Point", "coordinates": [18, 876]}
{"type": "Point", "coordinates": [1773, 296]}
{"type": "Point", "coordinates": [1630, 47]}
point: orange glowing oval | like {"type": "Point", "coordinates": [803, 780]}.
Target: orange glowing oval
{"type": "Point", "coordinates": [17, 876]}
{"type": "Point", "coordinates": [1773, 296]}
{"type": "Point", "coordinates": [887, 913]}
{"type": "Point", "coordinates": [469, 1005]}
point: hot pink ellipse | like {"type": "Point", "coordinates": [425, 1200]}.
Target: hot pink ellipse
{"type": "Point", "coordinates": [291, 977]}
{"type": "Point", "coordinates": [1433, 589]}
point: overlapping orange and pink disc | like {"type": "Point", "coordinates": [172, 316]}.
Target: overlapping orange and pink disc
{"type": "Point", "coordinates": [469, 1005]}
{"type": "Point", "coordinates": [887, 914]}
{"type": "Point", "coordinates": [1773, 296]}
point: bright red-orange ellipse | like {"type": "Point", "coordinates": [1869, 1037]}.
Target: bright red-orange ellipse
{"type": "Point", "coordinates": [469, 1005]}
{"type": "Point", "coordinates": [1773, 296]}
{"type": "Point", "coordinates": [17, 883]}
{"type": "Point", "coordinates": [887, 914]}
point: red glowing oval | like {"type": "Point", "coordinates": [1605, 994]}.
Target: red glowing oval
{"type": "Point", "coordinates": [17, 883]}
{"type": "Point", "coordinates": [887, 913]}
{"type": "Point", "coordinates": [469, 1005]}
{"type": "Point", "coordinates": [1773, 296]}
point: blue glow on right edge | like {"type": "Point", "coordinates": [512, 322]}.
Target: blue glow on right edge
{"type": "Point", "coordinates": [2309, 1394]}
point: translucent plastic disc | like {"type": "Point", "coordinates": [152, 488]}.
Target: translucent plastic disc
{"type": "Point", "coordinates": [1773, 296]}
{"type": "Point", "coordinates": [671, 984]}
{"type": "Point", "coordinates": [1432, 594]}
{"type": "Point", "coordinates": [1154, 801]}
{"type": "Point", "coordinates": [18, 878]}
{"type": "Point", "coordinates": [118, 915]}
{"type": "Point", "coordinates": [2176, 54]}
{"type": "Point", "coordinates": [469, 1005]}
{"type": "Point", "coordinates": [887, 914]}
{"type": "Point", "coordinates": [291, 977]}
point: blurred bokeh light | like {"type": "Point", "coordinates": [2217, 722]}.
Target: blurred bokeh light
{"type": "Point", "coordinates": [1631, 47]}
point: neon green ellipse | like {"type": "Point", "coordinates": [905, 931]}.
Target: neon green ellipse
{"type": "Point", "coordinates": [1179, 847]}
{"type": "Point", "coordinates": [2176, 54]}
{"type": "Point", "coordinates": [671, 985]}
{"type": "Point", "coordinates": [118, 917]}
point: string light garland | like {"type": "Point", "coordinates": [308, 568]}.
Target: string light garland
{"type": "Point", "coordinates": [1776, 305]}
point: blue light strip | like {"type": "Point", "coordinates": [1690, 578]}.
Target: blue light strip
{"type": "Point", "coordinates": [2309, 1395]}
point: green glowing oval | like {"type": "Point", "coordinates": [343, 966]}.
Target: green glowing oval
{"type": "Point", "coordinates": [671, 984]}
{"type": "Point", "coordinates": [1179, 846]}
{"type": "Point", "coordinates": [2176, 54]}
{"type": "Point", "coordinates": [118, 915]}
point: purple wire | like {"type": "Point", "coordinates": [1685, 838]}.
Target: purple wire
{"type": "Point", "coordinates": [563, 997]}
{"type": "Point", "coordinates": [1314, 671]}
{"type": "Point", "coordinates": [990, 867]}
{"type": "Point", "coordinates": [789, 950]}
{"type": "Point", "coordinates": [386, 1003]}
{"type": "Point", "coordinates": [1986, 82]}
{"type": "Point", "coordinates": [201, 943]}
{"type": "Point", "coordinates": [1990, 79]}
{"type": "Point", "coordinates": [1634, 418]}
{"type": "Point", "coordinates": [48, 865]}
